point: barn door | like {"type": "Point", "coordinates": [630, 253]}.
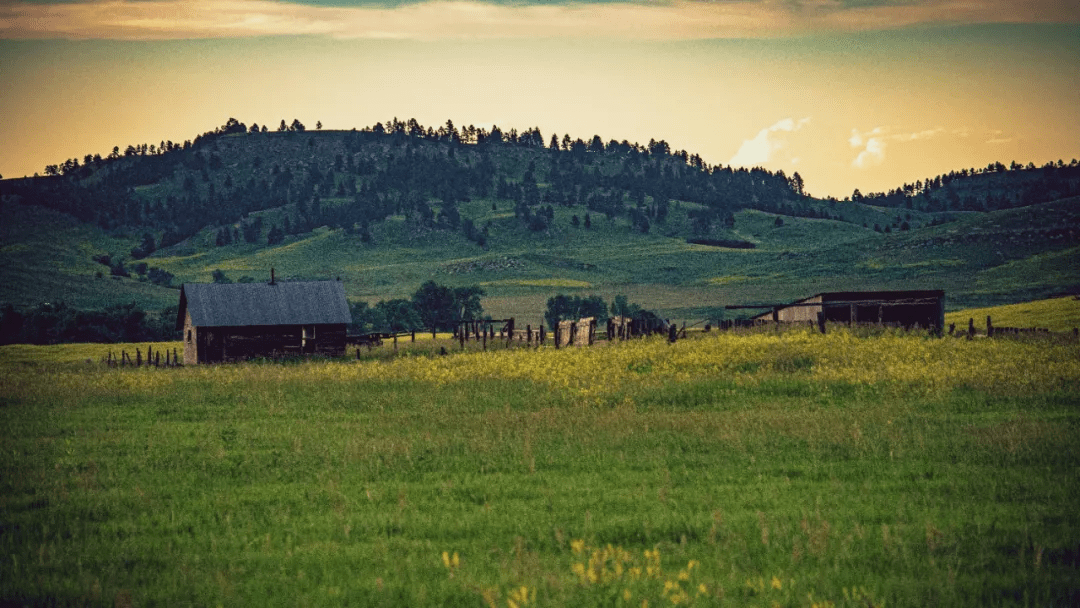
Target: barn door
{"type": "Point", "coordinates": [307, 339]}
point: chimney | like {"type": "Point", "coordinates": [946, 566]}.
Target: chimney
{"type": "Point", "coordinates": [272, 276]}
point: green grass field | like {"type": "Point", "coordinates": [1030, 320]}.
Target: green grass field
{"type": "Point", "coordinates": [1055, 314]}
{"type": "Point", "coordinates": [755, 469]}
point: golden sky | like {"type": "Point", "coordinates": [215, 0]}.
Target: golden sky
{"type": "Point", "coordinates": [864, 94]}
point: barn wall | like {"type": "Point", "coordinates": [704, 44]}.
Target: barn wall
{"type": "Point", "coordinates": [795, 314]}
{"type": "Point", "coordinates": [219, 344]}
{"type": "Point", "coordinates": [239, 343]}
{"type": "Point", "coordinates": [191, 352]}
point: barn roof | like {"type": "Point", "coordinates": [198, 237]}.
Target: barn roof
{"type": "Point", "coordinates": [278, 303]}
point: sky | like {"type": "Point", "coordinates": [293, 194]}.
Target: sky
{"type": "Point", "coordinates": [852, 94]}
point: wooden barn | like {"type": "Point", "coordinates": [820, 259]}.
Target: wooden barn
{"type": "Point", "coordinates": [921, 308]}
{"type": "Point", "coordinates": [237, 321]}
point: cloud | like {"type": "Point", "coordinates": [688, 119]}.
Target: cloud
{"type": "Point", "coordinates": [997, 136]}
{"type": "Point", "coordinates": [472, 19]}
{"type": "Point", "coordinates": [872, 154]}
{"type": "Point", "coordinates": [763, 148]}
{"type": "Point", "coordinates": [919, 135]}
{"type": "Point", "coordinates": [872, 144]}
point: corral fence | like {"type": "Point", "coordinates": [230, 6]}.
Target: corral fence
{"type": "Point", "coordinates": [991, 331]}
{"type": "Point", "coordinates": [153, 358]}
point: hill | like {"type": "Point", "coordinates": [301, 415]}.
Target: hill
{"type": "Point", "coordinates": [392, 206]}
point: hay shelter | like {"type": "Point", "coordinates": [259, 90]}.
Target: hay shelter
{"type": "Point", "coordinates": [916, 308]}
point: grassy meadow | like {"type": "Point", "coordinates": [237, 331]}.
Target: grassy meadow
{"type": "Point", "coordinates": [1055, 314]}
{"type": "Point", "coordinates": [864, 468]}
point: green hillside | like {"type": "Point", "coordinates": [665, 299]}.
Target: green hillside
{"type": "Point", "coordinates": [1055, 314]}
{"type": "Point", "coordinates": [387, 211]}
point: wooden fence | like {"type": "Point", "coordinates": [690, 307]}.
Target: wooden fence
{"type": "Point", "coordinates": [991, 330]}
{"type": "Point", "coordinates": [153, 358]}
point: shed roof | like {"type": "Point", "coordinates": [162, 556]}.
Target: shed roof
{"type": "Point", "coordinates": [278, 303]}
{"type": "Point", "coordinates": [854, 296]}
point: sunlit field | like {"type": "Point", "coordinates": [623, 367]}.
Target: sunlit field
{"type": "Point", "coordinates": [1055, 314]}
{"type": "Point", "coordinates": [749, 469]}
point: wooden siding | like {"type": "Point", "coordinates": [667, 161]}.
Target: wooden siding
{"type": "Point", "coordinates": [223, 344]}
{"type": "Point", "coordinates": [191, 353]}
{"type": "Point", "coordinates": [924, 309]}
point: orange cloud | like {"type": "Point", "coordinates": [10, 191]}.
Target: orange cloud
{"type": "Point", "coordinates": [467, 19]}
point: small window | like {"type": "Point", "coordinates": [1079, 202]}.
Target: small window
{"type": "Point", "coordinates": [189, 336]}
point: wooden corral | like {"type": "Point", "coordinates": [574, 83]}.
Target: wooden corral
{"type": "Point", "coordinates": [237, 321]}
{"type": "Point", "coordinates": [576, 333]}
{"type": "Point", "coordinates": [918, 308]}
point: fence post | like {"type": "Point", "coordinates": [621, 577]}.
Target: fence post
{"type": "Point", "coordinates": [138, 358]}
{"type": "Point", "coordinates": [541, 341]}
{"type": "Point", "coordinates": [485, 338]}
{"type": "Point", "coordinates": [461, 336]}
{"type": "Point", "coordinates": [971, 328]}
{"type": "Point", "coordinates": [821, 322]}
{"type": "Point", "coordinates": [414, 335]}
{"type": "Point", "coordinates": [395, 342]}
{"type": "Point", "coordinates": [989, 327]}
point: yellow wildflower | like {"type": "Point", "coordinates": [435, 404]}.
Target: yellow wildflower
{"type": "Point", "coordinates": [776, 583]}
{"type": "Point", "coordinates": [518, 597]}
{"type": "Point", "coordinates": [577, 545]}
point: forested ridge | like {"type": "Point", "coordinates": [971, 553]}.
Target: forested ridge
{"type": "Point", "coordinates": [353, 179]}
{"type": "Point", "coordinates": [91, 244]}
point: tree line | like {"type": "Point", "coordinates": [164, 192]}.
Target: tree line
{"type": "Point", "coordinates": [57, 323]}
{"type": "Point", "coordinates": [432, 306]}
{"type": "Point", "coordinates": [991, 188]}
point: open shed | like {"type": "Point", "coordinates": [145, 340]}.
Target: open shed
{"type": "Point", "coordinates": [921, 308]}
{"type": "Point", "coordinates": [237, 321]}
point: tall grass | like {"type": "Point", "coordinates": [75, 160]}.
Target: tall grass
{"type": "Point", "coordinates": [793, 468]}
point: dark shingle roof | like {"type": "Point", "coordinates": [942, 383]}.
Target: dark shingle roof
{"type": "Point", "coordinates": [281, 303]}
